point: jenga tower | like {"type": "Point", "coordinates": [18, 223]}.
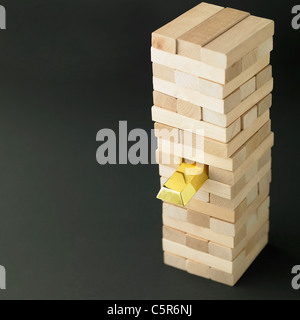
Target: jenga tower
{"type": "Point", "coordinates": [212, 90]}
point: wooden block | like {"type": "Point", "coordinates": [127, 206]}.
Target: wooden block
{"type": "Point", "coordinates": [163, 72]}
{"type": "Point", "coordinates": [220, 251]}
{"type": "Point", "coordinates": [252, 195]}
{"type": "Point", "coordinates": [238, 186]}
{"type": "Point", "coordinates": [168, 159]}
{"type": "Point", "coordinates": [198, 231]}
{"type": "Point", "coordinates": [264, 105]}
{"type": "Point", "coordinates": [264, 182]}
{"type": "Point", "coordinates": [204, 86]}
{"type": "Point", "coordinates": [196, 243]}
{"type": "Point", "coordinates": [263, 77]}
{"type": "Point", "coordinates": [253, 56]}
{"type": "Point", "coordinates": [188, 65]}
{"type": "Point", "coordinates": [218, 90]}
{"type": "Point", "coordinates": [231, 253]}
{"type": "Point", "coordinates": [174, 212]}
{"type": "Point", "coordinates": [223, 227]}
{"type": "Point", "coordinates": [249, 118]}
{"type": "Point", "coordinates": [237, 42]}
{"type": "Point", "coordinates": [264, 130]}
{"type": "Point", "coordinates": [250, 174]}
{"type": "Point", "coordinates": [202, 195]}
{"type": "Point", "coordinates": [197, 269]}
{"type": "Point", "coordinates": [254, 157]}
{"type": "Point", "coordinates": [233, 72]}
{"type": "Point", "coordinates": [263, 209]}
{"type": "Point", "coordinates": [221, 175]}
{"type": "Point", "coordinates": [192, 41]}
{"type": "Point", "coordinates": [239, 157]}
{"type": "Point", "coordinates": [265, 158]}
{"type": "Point", "coordinates": [166, 132]}
{"type": "Point", "coordinates": [164, 101]}
{"type": "Point", "coordinates": [224, 120]}
{"type": "Point", "coordinates": [165, 38]}
{"type": "Point", "coordinates": [201, 257]}
{"type": "Point", "coordinates": [232, 278]}
{"type": "Point", "coordinates": [174, 261]}
{"type": "Point", "coordinates": [249, 59]}
{"type": "Point", "coordinates": [217, 188]}
{"type": "Point", "coordinates": [236, 201]}
{"type": "Point", "coordinates": [198, 219]}
{"type": "Point", "coordinates": [174, 235]}
{"type": "Point", "coordinates": [221, 163]}
{"type": "Point", "coordinates": [182, 122]}
{"type": "Point", "coordinates": [218, 105]}
{"type": "Point", "coordinates": [247, 88]}
{"type": "Point", "coordinates": [265, 48]}
{"type": "Point", "coordinates": [251, 145]}
{"type": "Point", "coordinates": [257, 237]}
{"type": "Point", "coordinates": [189, 110]}
{"type": "Point", "coordinates": [251, 221]}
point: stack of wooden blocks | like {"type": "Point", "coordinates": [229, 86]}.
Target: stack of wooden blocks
{"type": "Point", "coordinates": [211, 72]}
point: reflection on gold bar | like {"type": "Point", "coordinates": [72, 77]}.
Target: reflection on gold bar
{"type": "Point", "coordinates": [183, 184]}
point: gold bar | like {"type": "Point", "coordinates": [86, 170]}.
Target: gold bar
{"type": "Point", "coordinates": [183, 184]}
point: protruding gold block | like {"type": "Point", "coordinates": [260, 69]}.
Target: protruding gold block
{"type": "Point", "coordinates": [183, 184]}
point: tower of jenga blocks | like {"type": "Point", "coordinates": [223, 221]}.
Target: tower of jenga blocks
{"type": "Point", "coordinates": [211, 74]}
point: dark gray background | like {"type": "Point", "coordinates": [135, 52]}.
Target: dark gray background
{"type": "Point", "coordinates": [72, 229]}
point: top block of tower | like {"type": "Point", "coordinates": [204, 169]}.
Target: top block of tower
{"type": "Point", "coordinates": [217, 38]}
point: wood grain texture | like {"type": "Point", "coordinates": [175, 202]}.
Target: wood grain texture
{"type": "Point", "coordinates": [222, 106]}
{"type": "Point", "coordinates": [190, 43]}
{"type": "Point", "coordinates": [224, 120]}
{"type": "Point", "coordinates": [174, 261]}
{"type": "Point", "coordinates": [164, 101]}
{"type": "Point", "coordinates": [249, 118]}
{"type": "Point", "coordinates": [174, 235]}
{"type": "Point", "coordinates": [163, 72]}
{"type": "Point", "coordinates": [189, 110]}
{"type": "Point", "coordinates": [263, 76]}
{"type": "Point", "coordinates": [237, 42]}
{"type": "Point", "coordinates": [206, 129]}
{"type": "Point", "coordinates": [165, 38]}
{"type": "Point", "coordinates": [198, 269]}
{"type": "Point", "coordinates": [197, 68]}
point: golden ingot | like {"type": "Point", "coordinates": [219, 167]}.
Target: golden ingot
{"type": "Point", "coordinates": [183, 184]}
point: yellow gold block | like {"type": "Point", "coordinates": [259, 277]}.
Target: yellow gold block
{"type": "Point", "coordinates": [183, 184]}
